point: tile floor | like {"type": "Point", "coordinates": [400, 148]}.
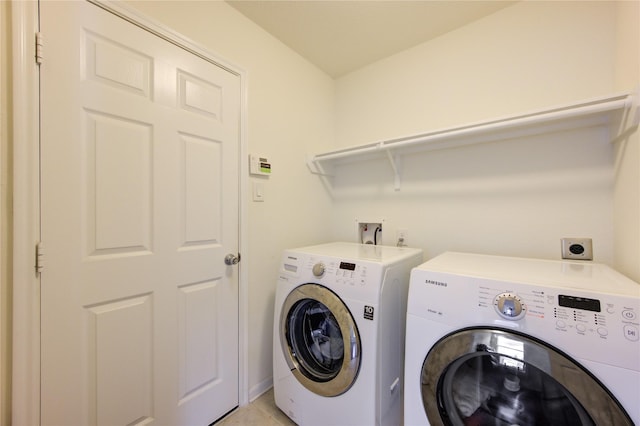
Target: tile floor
{"type": "Point", "coordinates": [261, 412]}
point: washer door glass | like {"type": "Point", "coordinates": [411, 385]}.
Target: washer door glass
{"type": "Point", "coordinates": [320, 340]}
{"type": "Point", "coordinates": [498, 377]}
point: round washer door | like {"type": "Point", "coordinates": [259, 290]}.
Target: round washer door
{"type": "Point", "coordinates": [480, 376]}
{"type": "Point", "coordinates": [320, 340]}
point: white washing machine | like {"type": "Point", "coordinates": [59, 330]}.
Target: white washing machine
{"type": "Point", "coordinates": [338, 339]}
{"type": "Point", "coordinates": [509, 341]}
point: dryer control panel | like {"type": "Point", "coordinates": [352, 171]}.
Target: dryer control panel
{"type": "Point", "coordinates": [571, 313]}
{"type": "Point", "coordinates": [587, 316]}
{"type": "Point", "coordinates": [589, 311]}
{"type": "Point", "coordinates": [510, 306]}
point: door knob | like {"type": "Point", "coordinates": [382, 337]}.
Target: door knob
{"type": "Point", "coordinates": [231, 259]}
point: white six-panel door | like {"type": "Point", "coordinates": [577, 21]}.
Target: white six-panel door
{"type": "Point", "coordinates": [139, 198]}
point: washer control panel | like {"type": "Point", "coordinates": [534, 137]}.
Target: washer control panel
{"type": "Point", "coordinates": [340, 272]}
{"type": "Point", "coordinates": [318, 269]}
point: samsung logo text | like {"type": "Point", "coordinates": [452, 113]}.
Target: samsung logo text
{"type": "Point", "coordinates": [438, 283]}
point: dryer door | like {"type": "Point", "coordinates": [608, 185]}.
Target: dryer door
{"type": "Point", "coordinates": [320, 340]}
{"type": "Point", "coordinates": [483, 376]}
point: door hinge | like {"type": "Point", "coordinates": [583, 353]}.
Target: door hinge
{"type": "Point", "coordinates": [39, 48]}
{"type": "Point", "coordinates": [39, 257]}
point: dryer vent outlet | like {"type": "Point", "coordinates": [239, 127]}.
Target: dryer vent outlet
{"type": "Point", "coordinates": [577, 248]}
{"type": "Point", "coordinates": [369, 232]}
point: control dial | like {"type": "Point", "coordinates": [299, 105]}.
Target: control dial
{"type": "Point", "coordinates": [318, 269]}
{"type": "Point", "coordinates": [509, 306]}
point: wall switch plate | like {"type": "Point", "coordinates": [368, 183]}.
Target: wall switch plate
{"type": "Point", "coordinates": [258, 191]}
{"type": "Point", "coordinates": [577, 248]}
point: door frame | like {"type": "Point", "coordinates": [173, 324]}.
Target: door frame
{"type": "Point", "coordinates": [25, 386]}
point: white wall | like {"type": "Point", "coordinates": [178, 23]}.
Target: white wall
{"type": "Point", "coordinates": [290, 114]}
{"type": "Point", "coordinates": [627, 170]}
{"type": "Point", "coordinates": [525, 57]}
{"type": "Point", "coordinates": [513, 197]}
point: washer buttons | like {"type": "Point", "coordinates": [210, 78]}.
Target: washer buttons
{"type": "Point", "coordinates": [603, 331]}
{"type": "Point", "coordinates": [319, 269]}
{"type": "Point", "coordinates": [628, 315]}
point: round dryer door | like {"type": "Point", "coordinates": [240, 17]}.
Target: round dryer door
{"type": "Point", "coordinates": [320, 340]}
{"type": "Point", "coordinates": [497, 377]}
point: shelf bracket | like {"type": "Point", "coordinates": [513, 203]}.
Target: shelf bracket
{"type": "Point", "coordinates": [634, 107]}
{"type": "Point", "coordinates": [394, 165]}
{"type": "Point", "coordinates": [315, 167]}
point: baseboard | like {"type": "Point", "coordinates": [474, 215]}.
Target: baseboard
{"type": "Point", "coordinates": [260, 388]}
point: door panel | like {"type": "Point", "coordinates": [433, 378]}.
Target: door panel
{"type": "Point", "coordinates": [139, 206]}
{"type": "Point", "coordinates": [118, 210]}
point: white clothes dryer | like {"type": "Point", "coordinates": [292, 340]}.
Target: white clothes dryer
{"type": "Point", "coordinates": [509, 341]}
{"type": "Point", "coordinates": [338, 338]}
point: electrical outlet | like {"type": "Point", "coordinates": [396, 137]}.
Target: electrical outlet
{"type": "Point", "coordinates": [577, 248]}
{"type": "Point", "coordinates": [401, 236]}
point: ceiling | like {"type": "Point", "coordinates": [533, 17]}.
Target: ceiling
{"type": "Point", "coordinates": [340, 36]}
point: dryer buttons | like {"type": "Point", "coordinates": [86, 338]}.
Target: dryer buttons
{"type": "Point", "coordinates": [631, 332]}
{"type": "Point", "coordinates": [628, 315]}
{"type": "Point", "coordinates": [509, 306]}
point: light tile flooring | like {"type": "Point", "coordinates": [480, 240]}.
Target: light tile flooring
{"type": "Point", "coordinates": [261, 412]}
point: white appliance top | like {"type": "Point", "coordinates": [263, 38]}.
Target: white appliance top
{"type": "Point", "coordinates": [355, 271]}
{"type": "Point", "coordinates": [589, 310]}
{"type": "Point", "coordinates": [365, 252]}
{"type": "Point", "coordinates": [539, 272]}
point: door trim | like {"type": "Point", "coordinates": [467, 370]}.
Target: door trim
{"type": "Point", "coordinates": [26, 200]}
{"type": "Point", "coordinates": [26, 217]}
